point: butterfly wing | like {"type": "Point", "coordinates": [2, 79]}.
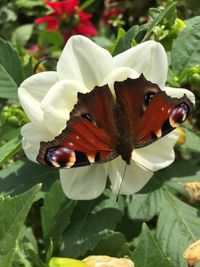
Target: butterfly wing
{"type": "Point", "coordinates": [88, 136]}
{"type": "Point", "coordinates": [150, 111]}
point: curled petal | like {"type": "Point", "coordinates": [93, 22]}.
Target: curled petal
{"type": "Point", "coordinates": [157, 155]}
{"type": "Point", "coordinates": [148, 58]}
{"type": "Point", "coordinates": [84, 61]}
{"type": "Point", "coordinates": [59, 102]}
{"type": "Point", "coordinates": [32, 136]}
{"type": "Point", "coordinates": [119, 74]}
{"type": "Point", "coordinates": [83, 183]}
{"type": "Point", "coordinates": [32, 91]}
{"type": "Point", "coordinates": [179, 92]}
{"type": "Point", "coordinates": [127, 179]}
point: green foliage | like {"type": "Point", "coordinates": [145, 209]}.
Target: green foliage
{"type": "Point", "coordinates": [178, 227]}
{"type": "Point", "coordinates": [13, 213]}
{"type": "Point", "coordinates": [38, 223]}
{"type": "Point", "coordinates": [186, 51]}
{"type": "Point", "coordinates": [148, 252]}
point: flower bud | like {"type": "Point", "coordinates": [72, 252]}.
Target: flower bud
{"type": "Point", "coordinates": [106, 261]}
{"type": "Point", "coordinates": [66, 262]}
{"type": "Point", "coordinates": [192, 254]}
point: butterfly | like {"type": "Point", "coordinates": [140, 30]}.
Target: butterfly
{"type": "Point", "coordinates": [103, 125]}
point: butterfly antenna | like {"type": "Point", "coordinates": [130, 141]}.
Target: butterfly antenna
{"type": "Point", "coordinates": [120, 187]}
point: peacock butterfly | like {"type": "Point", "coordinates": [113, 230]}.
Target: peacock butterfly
{"type": "Point", "coordinates": [102, 126]}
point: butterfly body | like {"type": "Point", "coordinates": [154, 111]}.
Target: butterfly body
{"type": "Point", "coordinates": [103, 126]}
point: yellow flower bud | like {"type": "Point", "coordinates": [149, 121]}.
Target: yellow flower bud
{"type": "Point", "coordinates": [182, 137]}
{"type": "Point", "coordinates": [106, 261]}
{"type": "Point", "coordinates": [66, 262]}
{"type": "Point", "coordinates": [192, 254]}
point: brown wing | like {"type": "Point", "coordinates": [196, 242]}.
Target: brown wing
{"type": "Point", "coordinates": [150, 112]}
{"type": "Point", "coordinates": [88, 136]}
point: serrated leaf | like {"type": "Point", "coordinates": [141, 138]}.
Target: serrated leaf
{"type": "Point", "coordinates": [10, 60]}
{"type": "Point", "coordinates": [24, 174]}
{"type": "Point", "coordinates": [146, 206]}
{"type": "Point", "coordinates": [86, 229]}
{"type": "Point", "coordinates": [9, 149]}
{"type": "Point", "coordinates": [178, 226]}
{"type": "Point", "coordinates": [13, 212]}
{"type": "Point", "coordinates": [148, 252]}
{"type": "Point", "coordinates": [186, 50]}
{"type": "Point", "coordinates": [56, 213]}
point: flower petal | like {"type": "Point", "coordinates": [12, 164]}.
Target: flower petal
{"type": "Point", "coordinates": [119, 74]}
{"type": "Point", "coordinates": [135, 177]}
{"type": "Point", "coordinates": [179, 92]}
{"type": "Point", "coordinates": [32, 136]}
{"type": "Point", "coordinates": [83, 183]}
{"type": "Point", "coordinates": [148, 58]}
{"type": "Point", "coordinates": [84, 61]}
{"type": "Point", "coordinates": [157, 155]}
{"type": "Point", "coordinates": [58, 103]}
{"type": "Point", "coordinates": [32, 91]}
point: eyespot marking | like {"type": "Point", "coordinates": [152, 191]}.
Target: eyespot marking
{"type": "Point", "coordinates": [60, 157]}
{"type": "Point", "coordinates": [179, 115]}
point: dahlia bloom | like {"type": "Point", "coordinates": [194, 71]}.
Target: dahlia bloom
{"type": "Point", "coordinates": [68, 18]}
{"type": "Point", "coordinates": [49, 97]}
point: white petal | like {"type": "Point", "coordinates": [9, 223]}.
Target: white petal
{"type": "Point", "coordinates": [58, 103]}
{"type": "Point", "coordinates": [32, 91]}
{"type": "Point", "coordinates": [84, 182]}
{"type": "Point", "coordinates": [179, 92]}
{"type": "Point", "coordinates": [135, 177]}
{"type": "Point", "coordinates": [119, 74]}
{"type": "Point", "coordinates": [84, 61]}
{"type": "Point", "coordinates": [148, 58]}
{"type": "Point", "coordinates": [32, 136]}
{"type": "Point", "coordinates": [157, 155]}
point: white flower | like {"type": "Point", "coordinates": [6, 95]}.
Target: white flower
{"type": "Point", "coordinates": [48, 98]}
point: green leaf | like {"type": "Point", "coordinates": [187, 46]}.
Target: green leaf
{"type": "Point", "coordinates": [192, 142]}
{"type": "Point", "coordinates": [10, 61]}
{"type": "Point", "coordinates": [178, 174]}
{"type": "Point", "coordinates": [125, 42]}
{"type": "Point", "coordinates": [22, 34]}
{"type": "Point", "coordinates": [87, 228]}
{"type": "Point", "coordinates": [9, 149]}
{"type": "Point", "coordinates": [186, 50]}
{"type": "Point", "coordinates": [13, 212]}
{"type": "Point", "coordinates": [56, 213]}
{"type": "Point", "coordinates": [113, 244]}
{"type": "Point", "coordinates": [178, 227]}
{"type": "Point", "coordinates": [51, 40]}
{"type": "Point", "coordinates": [148, 252]}
{"type": "Point", "coordinates": [24, 174]}
{"type": "Point", "coordinates": [158, 19]}
{"type": "Point", "coordinates": [146, 206]}
{"type": "Point", "coordinates": [8, 87]}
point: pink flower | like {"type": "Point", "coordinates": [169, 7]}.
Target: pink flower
{"type": "Point", "coordinates": [68, 17]}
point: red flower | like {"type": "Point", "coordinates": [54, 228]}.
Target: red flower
{"type": "Point", "coordinates": [111, 14]}
{"type": "Point", "coordinates": [67, 17]}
